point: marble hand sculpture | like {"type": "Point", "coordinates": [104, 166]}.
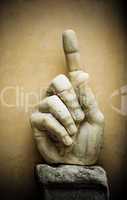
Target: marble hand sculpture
{"type": "Point", "coordinates": [68, 126]}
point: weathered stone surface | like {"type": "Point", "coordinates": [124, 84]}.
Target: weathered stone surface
{"type": "Point", "coordinates": [72, 182]}
{"type": "Point", "coordinates": [70, 42]}
{"type": "Point", "coordinates": [71, 174]}
{"type": "Point", "coordinates": [68, 125]}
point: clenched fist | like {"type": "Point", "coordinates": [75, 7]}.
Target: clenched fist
{"type": "Point", "coordinates": [68, 126]}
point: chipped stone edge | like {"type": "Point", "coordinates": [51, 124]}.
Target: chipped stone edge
{"type": "Point", "coordinates": [94, 175]}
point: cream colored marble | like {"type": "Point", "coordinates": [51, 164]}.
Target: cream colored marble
{"type": "Point", "coordinates": [68, 127]}
{"type": "Point", "coordinates": [32, 55]}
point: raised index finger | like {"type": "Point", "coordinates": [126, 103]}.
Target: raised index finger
{"type": "Point", "coordinates": [79, 78]}
{"type": "Point", "coordinates": [71, 50]}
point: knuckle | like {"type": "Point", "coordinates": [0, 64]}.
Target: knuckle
{"type": "Point", "coordinates": [79, 77]}
{"type": "Point", "coordinates": [60, 83]}
{"type": "Point", "coordinates": [47, 103]}
{"type": "Point", "coordinates": [52, 98]}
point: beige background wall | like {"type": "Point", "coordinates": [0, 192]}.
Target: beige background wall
{"type": "Point", "coordinates": [31, 55]}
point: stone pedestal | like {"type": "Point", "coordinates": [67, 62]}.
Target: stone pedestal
{"type": "Point", "coordinates": [72, 182]}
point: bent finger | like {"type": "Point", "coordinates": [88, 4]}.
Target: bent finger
{"type": "Point", "coordinates": [45, 121]}
{"type": "Point", "coordinates": [56, 107]}
{"type": "Point", "coordinates": [63, 88]}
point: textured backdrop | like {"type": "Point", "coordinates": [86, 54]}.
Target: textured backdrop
{"type": "Point", "coordinates": [31, 55]}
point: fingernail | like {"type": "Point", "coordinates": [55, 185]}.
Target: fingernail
{"type": "Point", "coordinates": [67, 140]}
{"type": "Point", "coordinates": [72, 129]}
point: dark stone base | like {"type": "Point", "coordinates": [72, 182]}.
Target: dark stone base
{"type": "Point", "coordinates": [68, 182]}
